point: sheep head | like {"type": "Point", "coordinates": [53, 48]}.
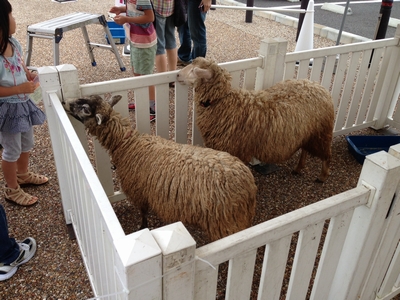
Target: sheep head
{"type": "Point", "coordinates": [91, 111]}
{"type": "Point", "coordinates": [208, 79]}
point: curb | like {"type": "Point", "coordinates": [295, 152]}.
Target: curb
{"type": "Point", "coordinates": [323, 31]}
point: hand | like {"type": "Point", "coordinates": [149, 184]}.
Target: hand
{"type": "Point", "coordinates": [31, 76]}
{"type": "Point", "coordinates": [27, 87]}
{"type": "Point", "coordinates": [206, 5]}
{"type": "Point", "coordinates": [116, 10]}
{"type": "Point", "coordinates": [120, 20]}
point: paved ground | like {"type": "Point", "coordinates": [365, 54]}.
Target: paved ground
{"type": "Point", "coordinates": [363, 20]}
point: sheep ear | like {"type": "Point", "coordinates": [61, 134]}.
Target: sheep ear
{"type": "Point", "coordinates": [202, 73]}
{"type": "Point", "coordinates": [99, 119]}
{"type": "Point", "coordinates": [114, 100]}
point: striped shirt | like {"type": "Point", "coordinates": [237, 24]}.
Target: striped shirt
{"type": "Point", "coordinates": [141, 35]}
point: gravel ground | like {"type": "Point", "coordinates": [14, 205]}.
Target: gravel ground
{"type": "Point", "coordinates": [57, 271]}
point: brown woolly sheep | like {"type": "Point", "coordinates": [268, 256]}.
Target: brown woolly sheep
{"type": "Point", "coordinates": [211, 189]}
{"type": "Point", "coordinates": [270, 125]}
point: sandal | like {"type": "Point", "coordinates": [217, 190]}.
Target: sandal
{"type": "Point", "coordinates": [18, 196]}
{"type": "Point", "coordinates": [31, 178]}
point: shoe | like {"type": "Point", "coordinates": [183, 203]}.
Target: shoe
{"type": "Point", "coordinates": [181, 63]}
{"type": "Point", "coordinates": [131, 106]}
{"type": "Point", "coordinates": [152, 115]}
{"type": "Point", "coordinates": [27, 251]}
{"type": "Point", "coordinates": [31, 178]}
{"type": "Point", "coordinates": [18, 196]}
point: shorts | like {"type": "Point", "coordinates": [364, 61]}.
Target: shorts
{"type": "Point", "coordinates": [16, 143]}
{"type": "Point", "coordinates": [165, 30]}
{"type": "Point", "coordinates": [142, 60]}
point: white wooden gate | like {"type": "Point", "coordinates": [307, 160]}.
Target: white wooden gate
{"type": "Point", "coordinates": [359, 259]}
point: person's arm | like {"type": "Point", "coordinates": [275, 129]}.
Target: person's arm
{"type": "Point", "coordinates": [23, 88]}
{"type": "Point", "coordinates": [118, 9]}
{"type": "Point", "coordinates": [147, 17]}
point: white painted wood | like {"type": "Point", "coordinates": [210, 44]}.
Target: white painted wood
{"type": "Point", "coordinates": [273, 52]}
{"type": "Point", "coordinates": [235, 83]}
{"type": "Point", "coordinates": [346, 97]}
{"type": "Point", "coordinates": [370, 84]}
{"type": "Point", "coordinates": [273, 269]}
{"type": "Point", "coordinates": [178, 249]}
{"type": "Point", "coordinates": [162, 111]}
{"type": "Point", "coordinates": [205, 284]}
{"type": "Point", "coordinates": [240, 276]}
{"type": "Point", "coordinates": [303, 68]}
{"type": "Point", "coordinates": [139, 265]}
{"type": "Point", "coordinates": [304, 259]}
{"type": "Point", "coordinates": [333, 245]}
{"type": "Point", "coordinates": [379, 170]}
{"type": "Point", "coordinates": [316, 70]}
{"type": "Point", "coordinates": [181, 116]}
{"type": "Point", "coordinates": [249, 79]}
{"type": "Point", "coordinates": [290, 71]}
{"type": "Point", "coordinates": [339, 70]}
{"type": "Point", "coordinates": [274, 229]}
{"type": "Point", "coordinates": [359, 87]}
{"type": "Point", "coordinates": [330, 63]}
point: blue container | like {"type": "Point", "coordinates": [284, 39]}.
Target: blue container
{"type": "Point", "coordinates": [362, 145]}
{"type": "Point", "coordinates": [117, 33]}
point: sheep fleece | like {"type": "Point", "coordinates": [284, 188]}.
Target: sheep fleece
{"type": "Point", "coordinates": [271, 124]}
{"type": "Point", "coordinates": [208, 188]}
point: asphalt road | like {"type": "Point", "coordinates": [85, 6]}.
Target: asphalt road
{"type": "Point", "coordinates": [363, 21]}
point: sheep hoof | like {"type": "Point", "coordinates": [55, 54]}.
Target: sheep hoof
{"type": "Point", "coordinates": [265, 169]}
{"type": "Point", "coordinates": [297, 173]}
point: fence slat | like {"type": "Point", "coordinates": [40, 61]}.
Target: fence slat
{"type": "Point", "coordinates": [240, 275]}
{"type": "Point", "coordinates": [273, 269]}
{"type": "Point", "coordinates": [304, 259]}
{"type": "Point", "coordinates": [333, 244]}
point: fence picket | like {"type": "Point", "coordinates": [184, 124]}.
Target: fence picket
{"type": "Point", "coordinates": [273, 269]}
{"type": "Point", "coordinates": [333, 245]}
{"type": "Point", "coordinates": [304, 260]}
{"type": "Point", "coordinates": [240, 275]}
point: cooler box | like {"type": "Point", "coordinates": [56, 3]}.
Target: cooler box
{"type": "Point", "coordinates": [117, 33]}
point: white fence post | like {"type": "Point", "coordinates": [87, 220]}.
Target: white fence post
{"type": "Point", "coordinates": [50, 83]}
{"type": "Point", "coordinates": [178, 248]}
{"type": "Point", "coordinates": [273, 51]}
{"type": "Point", "coordinates": [138, 266]}
{"type": "Point", "coordinates": [381, 173]}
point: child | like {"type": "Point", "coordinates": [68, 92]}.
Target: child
{"type": "Point", "coordinates": [12, 253]}
{"type": "Point", "coordinates": [143, 39]}
{"type": "Point", "coordinates": [18, 113]}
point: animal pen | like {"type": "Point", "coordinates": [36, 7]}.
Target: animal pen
{"type": "Point", "coordinates": [360, 257]}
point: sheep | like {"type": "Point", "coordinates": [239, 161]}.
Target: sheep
{"type": "Point", "coordinates": [270, 125]}
{"type": "Point", "coordinates": [178, 182]}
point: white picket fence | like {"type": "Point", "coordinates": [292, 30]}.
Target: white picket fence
{"type": "Point", "coordinates": [360, 258]}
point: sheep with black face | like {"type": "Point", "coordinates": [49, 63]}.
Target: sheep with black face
{"type": "Point", "coordinates": [270, 125]}
{"type": "Point", "coordinates": [211, 189]}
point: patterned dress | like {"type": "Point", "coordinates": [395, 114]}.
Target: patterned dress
{"type": "Point", "coordinates": [18, 113]}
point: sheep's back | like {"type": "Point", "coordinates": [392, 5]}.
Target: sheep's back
{"type": "Point", "coordinates": [286, 115]}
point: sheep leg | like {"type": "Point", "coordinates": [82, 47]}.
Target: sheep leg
{"type": "Point", "coordinates": [325, 172]}
{"type": "Point", "coordinates": [144, 210]}
{"type": "Point", "coordinates": [302, 162]}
